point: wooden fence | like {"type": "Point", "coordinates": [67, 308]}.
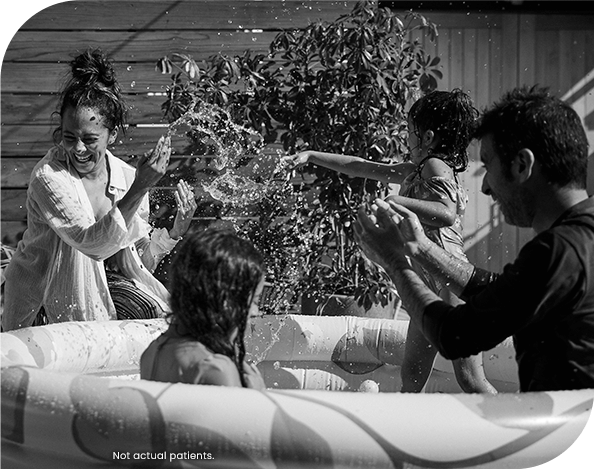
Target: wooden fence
{"type": "Point", "coordinates": [482, 53]}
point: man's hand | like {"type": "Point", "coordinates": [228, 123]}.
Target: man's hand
{"type": "Point", "coordinates": [405, 234]}
{"type": "Point", "coordinates": [377, 234]}
{"type": "Point", "coordinates": [389, 233]}
{"type": "Point", "coordinates": [410, 231]}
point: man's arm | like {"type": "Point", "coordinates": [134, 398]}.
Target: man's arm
{"type": "Point", "coordinates": [379, 238]}
{"type": "Point", "coordinates": [494, 309]}
{"type": "Point", "coordinates": [450, 270]}
{"type": "Point", "coordinates": [408, 237]}
{"type": "Point", "coordinates": [462, 278]}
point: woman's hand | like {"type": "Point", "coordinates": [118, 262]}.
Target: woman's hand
{"type": "Point", "coordinates": [186, 206]}
{"type": "Point", "coordinates": [149, 170]}
{"type": "Point", "coordinates": [152, 167]}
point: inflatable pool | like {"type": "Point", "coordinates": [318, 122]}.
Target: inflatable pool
{"type": "Point", "coordinates": [71, 397]}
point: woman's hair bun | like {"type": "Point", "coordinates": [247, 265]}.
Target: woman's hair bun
{"type": "Point", "coordinates": [92, 67]}
{"type": "Point", "coordinates": [93, 83]}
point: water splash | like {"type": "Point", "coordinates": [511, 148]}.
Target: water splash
{"type": "Point", "coordinates": [255, 180]}
{"type": "Point", "coordinates": [234, 147]}
{"type": "Point", "coordinates": [234, 189]}
{"type": "Point", "coordinates": [258, 356]}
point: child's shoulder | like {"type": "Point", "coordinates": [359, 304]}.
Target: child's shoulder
{"type": "Point", "coordinates": [219, 370]}
{"type": "Point", "coordinates": [436, 167]}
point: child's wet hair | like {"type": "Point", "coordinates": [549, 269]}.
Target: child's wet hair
{"type": "Point", "coordinates": [213, 278]}
{"type": "Point", "coordinates": [93, 84]}
{"type": "Point", "coordinates": [452, 116]}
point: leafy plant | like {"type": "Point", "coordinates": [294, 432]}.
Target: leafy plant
{"type": "Point", "coordinates": [342, 87]}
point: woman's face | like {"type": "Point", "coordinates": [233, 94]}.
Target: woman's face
{"type": "Point", "coordinates": [85, 139]}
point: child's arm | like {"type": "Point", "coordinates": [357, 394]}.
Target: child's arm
{"type": "Point", "coordinates": [253, 377]}
{"type": "Point", "coordinates": [435, 211]}
{"type": "Point", "coordinates": [353, 166]}
{"type": "Point", "coordinates": [218, 370]}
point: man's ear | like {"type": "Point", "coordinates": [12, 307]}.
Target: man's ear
{"type": "Point", "coordinates": [523, 165]}
{"type": "Point", "coordinates": [112, 137]}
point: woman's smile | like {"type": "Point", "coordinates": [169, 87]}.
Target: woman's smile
{"type": "Point", "coordinates": [85, 139]}
{"type": "Point", "coordinates": [83, 159]}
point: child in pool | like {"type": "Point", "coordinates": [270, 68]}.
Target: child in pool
{"type": "Point", "coordinates": [441, 126]}
{"type": "Point", "coordinates": [216, 282]}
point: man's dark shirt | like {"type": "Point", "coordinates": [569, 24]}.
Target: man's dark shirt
{"type": "Point", "coordinates": [545, 300]}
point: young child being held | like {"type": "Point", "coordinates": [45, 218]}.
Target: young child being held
{"type": "Point", "coordinates": [440, 126]}
{"type": "Point", "coordinates": [216, 282]}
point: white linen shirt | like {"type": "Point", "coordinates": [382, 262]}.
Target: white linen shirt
{"type": "Point", "coordinates": [59, 262]}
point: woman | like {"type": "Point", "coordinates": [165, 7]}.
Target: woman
{"type": "Point", "coordinates": [88, 251]}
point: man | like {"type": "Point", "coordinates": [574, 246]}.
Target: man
{"type": "Point", "coordinates": [534, 150]}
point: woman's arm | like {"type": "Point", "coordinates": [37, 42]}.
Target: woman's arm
{"type": "Point", "coordinates": [54, 198]}
{"type": "Point", "coordinates": [149, 170]}
{"type": "Point", "coordinates": [353, 166]}
{"type": "Point", "coordinates": [161, 242]}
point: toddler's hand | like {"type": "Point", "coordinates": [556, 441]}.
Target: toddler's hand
{"type": "Point", "coordinates": [295, 161]}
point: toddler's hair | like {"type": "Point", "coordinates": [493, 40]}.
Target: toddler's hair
{"type": "Point", "coordinates": [452, 116]}
{"type": "Point", "coordinates": [93, 84]}
{"type": "Point", "coordinates": [213, 278]}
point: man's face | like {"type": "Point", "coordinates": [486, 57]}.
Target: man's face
{"type": "Point", "coordinates": [512, 197]}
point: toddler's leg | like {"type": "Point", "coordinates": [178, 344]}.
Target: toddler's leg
{"type": "Point", "coordinates": [417, 364]}
{"type": "Point", "coordinates": [469, 371]}
{"type": "Point", "coordinates": [470, 375]}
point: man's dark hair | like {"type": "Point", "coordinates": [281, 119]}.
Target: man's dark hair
{"type": "Point", "coordinates": [535, 119]}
